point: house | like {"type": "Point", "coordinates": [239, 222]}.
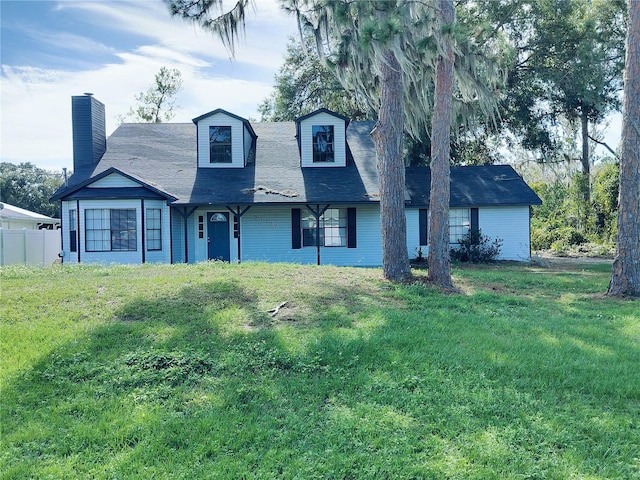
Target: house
{"type": "Point", "coordinates": [27, 237]}
{"type": "Point", "coordinates": [229, 189]}
{"type": "Point", "coordinates": [16, 218]}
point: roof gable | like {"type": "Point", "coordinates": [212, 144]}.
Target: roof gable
{"type": "Point", "coordinates": [99, 182]}
{"type": "Point", "coordinates": [217, 111]}
{"type": "Point", "coordinates": [322, 110]}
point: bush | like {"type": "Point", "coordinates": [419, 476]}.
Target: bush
{"type": "Point", "coordinates": [554, 237]}
{"type": "Point", "coordinates": [475, 247]}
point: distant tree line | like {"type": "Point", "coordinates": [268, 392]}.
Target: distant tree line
{"type": "Point", "coordinates": [30, 187]}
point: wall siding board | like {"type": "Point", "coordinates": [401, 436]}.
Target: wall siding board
{"type": "Point", "coordinates": [413, 232]}
{"type": "Point", "coordinates": [511, 224]}
{"type": "Point", "coordinates": [247, 143]}
{"type": "Point", "coordinates": [177, 237]}
{"type": "Point", "coordinates": [113, 181]}
{"type": "Point", "coordinates": [164, 255]}
{"type": "Point", "coordinates": [237, 141]}
{"type": "Point", "coordinates": [266, 236]}
{"type": "Point", "coordinates": [306, 140]}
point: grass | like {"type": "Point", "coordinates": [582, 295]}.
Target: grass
{"type": "Point", "coordinates": [178, 371]}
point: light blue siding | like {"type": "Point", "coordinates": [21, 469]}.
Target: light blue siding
{"type": "Point", "coordinates": [177, 234]}
{"type": "Point", "coordinates": [108, 257]}
{"type": "Point", "coordinates": [413, 233]}
{"type": "Point", "coordinates": [164, 255]}
{"type": "Point", "coordinates": [266, 236]}
{"type": "Point", "coordinates": [177, 237]}
{"type": "Point", "coordinates": [114, 181]}
{"type": "Point", "coordinates": [237, 141]}
{"type": "Point", "coordinates": [511, 224]}
{"type": "Point", "coordinates": [306, 140]}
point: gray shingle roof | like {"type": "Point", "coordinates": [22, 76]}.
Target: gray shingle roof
{"type": "Point", "coordinates": [163, 156]}
{"type": "Point", "coordinates": [477, 186]}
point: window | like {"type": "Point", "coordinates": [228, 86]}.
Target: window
{"type": "Point", "coordinates": [459, 224]}
{"type": "Point", "coordinates": [73, 233]}
{"type": "Point", "coordinates": [220, 145]}
{"type": "Point", "coordinates": [423, 225]}
{"type": "Point", "coordinates": [154, 229]}
{"type": "Point", "coordinates": [323, 143]}
{"type": "Point", "coordinates": [200, 226]}
{"type": "Point", "coordinates": [333, 228]}
{"type": "Point", "coordinates": [110, 230]}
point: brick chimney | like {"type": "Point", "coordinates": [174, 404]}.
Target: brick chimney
{"type": "Point", "coordinates": [89, 131]}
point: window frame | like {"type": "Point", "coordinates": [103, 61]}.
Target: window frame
{"type": "Point", "coordinates": [323, 149]}
{"type": "Point", "coordinates": [153, 228]}
{"type": "Point", "coordinates": [73, 230]}
{"type": "Point", "coordinates": [220, 151]}
{"type": "Point", "coordinates": [103, 231]}
{"type": "Point", "coordinates": [459, 224]}
{"type": "Point", "coordinates": [333, 225]}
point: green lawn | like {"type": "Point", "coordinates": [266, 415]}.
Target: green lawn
{"type": "Point", "coordinates": [180, 372]}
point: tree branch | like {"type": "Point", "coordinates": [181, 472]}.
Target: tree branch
{"type": "Point", "coordinates": [605, 146]}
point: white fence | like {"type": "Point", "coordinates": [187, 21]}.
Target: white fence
{"type": "Point", "coordinates": [29, 247]}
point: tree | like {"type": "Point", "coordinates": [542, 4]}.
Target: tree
{"type": "Point", "coordinates": [566, 62]}
{"type": "Point", "coordinates": [625, 277]}
{"type": "Point", "coordinates": [29, 187]}
{"type": "Point", "coordinates": [438, 259]}
{"type": "Point", "coordinates": [579, 56]}
{"type": "Point", "coordinates": [158, 102]}
{"type": "Point", "coordinates": [303, 84]}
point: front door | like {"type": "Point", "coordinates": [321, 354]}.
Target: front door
{"type": "Point", "coordinates": [218, 236]}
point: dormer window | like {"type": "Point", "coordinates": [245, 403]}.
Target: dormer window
{"type": "Point", "coordinates": [224, 140]}
{"type": "Point", "coordinates": [322, 139]}
{"type": "Point", "coordinates": [220, 145]}
{"type": "Point", "coordinates": [323, 143]}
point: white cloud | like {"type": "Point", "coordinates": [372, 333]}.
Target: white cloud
{"type": "Point", "coordinates": [36, 101]}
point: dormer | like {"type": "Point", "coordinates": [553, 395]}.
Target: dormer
{"type": "Point", "coordinates": [322, 139]}
{"type": "Point", "coordinates": [224, 140]}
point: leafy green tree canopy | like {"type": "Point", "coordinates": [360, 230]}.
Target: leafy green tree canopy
{"type": "Point", "coordinates": [305, 84]}
{"type": "Point", "coordinates": [29, 187]}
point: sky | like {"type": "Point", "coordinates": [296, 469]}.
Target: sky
{"type": "Point", "coordinates": [52, 50]}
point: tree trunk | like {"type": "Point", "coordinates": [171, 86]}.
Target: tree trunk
{"type": "Point", "coordinates": [586, 163]}
{"type": "Point", "coordinates": [387, 137]}
{"type": "Point", "coordinates": [625, 277]}
{"type": "Point", "coordinates": [439, 260]}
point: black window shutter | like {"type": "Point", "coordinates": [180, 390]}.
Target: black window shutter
{"type": "Point", "coordinates": [474, 219]}
{"type": "Point", "coordinates": [423, 226]}
{"type": "Point", "coordinates": [351, 228]}
{"type": "Point", "coordinates": [296, 237]}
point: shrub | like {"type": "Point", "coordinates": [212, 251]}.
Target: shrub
{"type": "Point", "coordinates": [475, 247]}
{"type": "Point", "coordinates": [546, 236]}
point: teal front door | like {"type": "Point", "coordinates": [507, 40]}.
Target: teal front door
{"type": "Point", "coordinates": [218, 236]}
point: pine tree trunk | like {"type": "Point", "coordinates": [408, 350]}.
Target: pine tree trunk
{"type": "Point", "coordinates": [625, 277]}
{"type": "Point", "coordinates": [586, 161]}
{"type": "Point", "coordinates": [387, 137]}
{"type": "Point", "coordinates": [439, 260]}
